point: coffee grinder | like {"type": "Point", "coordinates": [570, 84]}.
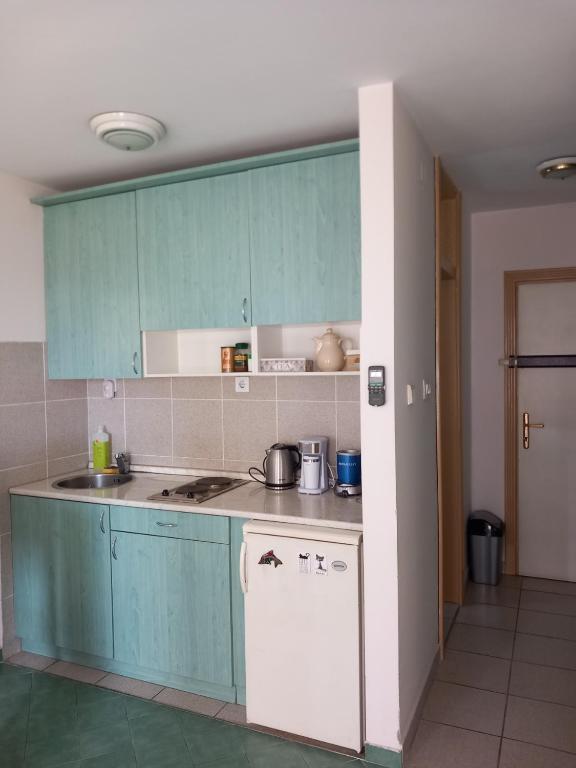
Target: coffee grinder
{"type": "Point", "coordinates": [314, 465]}
{"type": "Point", "coordinates": [349, 471]}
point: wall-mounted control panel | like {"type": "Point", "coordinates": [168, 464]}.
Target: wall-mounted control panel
{"type": "Point", "coordinates": [376, 385]}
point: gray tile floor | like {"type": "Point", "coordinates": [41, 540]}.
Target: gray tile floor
{"type": "Point", "coordinates": [505, 694]}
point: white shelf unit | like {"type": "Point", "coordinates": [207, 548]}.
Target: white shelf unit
{"type": "Point", "coordinates": [197, 352]}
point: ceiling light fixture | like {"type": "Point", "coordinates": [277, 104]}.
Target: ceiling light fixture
{"type": "Point", "coordinates": [557, 168]}
{"type": "Point", "coordinates": [127, 130]}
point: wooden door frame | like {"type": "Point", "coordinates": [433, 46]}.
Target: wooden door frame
{"type": "Point", "coordinates": [448, 268]}
{"type": "Point", "coordinates": [512, 281]}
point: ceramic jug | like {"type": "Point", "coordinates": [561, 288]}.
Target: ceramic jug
{"type": "Point", "coordinates": [329, 352]}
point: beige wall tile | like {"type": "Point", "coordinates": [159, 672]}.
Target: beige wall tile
{"type": "Point", "coordinates": [348, 388]}
{"type": "Point", "coordinates": [306, 388]}
{"type": "Point", "coordinates": [148, 427]}
{"type": "Point", "coordinates": [21, 372]}
{"type": "Point", "coordinates": [243, 466]}
{"type": "Point", "coordinates": [68, 464]}
{"type": "Point", "coordinates": [348, 425]}
{"type": "Point", "coordinates": [10, 478]}
{"type": "Point", "coordinates": [76, 672]}
{"type": "Point", "coordinates": [109, 413]}
{"type": "Point", "coordinates": [249, 428]}
{"type": "Point", "coordinates": [300, 420]}
{"type": "Point", "coordinates": [67, 423]}
{"type": "Point", "coordinates": [31, 660]}
{"type": "Point", "coordinates": [198, 428]}
{"type": "Point", "coordinates": [95, 387]}
{"type": "Point", "coordinates": [197, 387]}
{"type": "Point", "coordinates": [6, 578]}
{"type": "Point", "coordinates": [23, 430]}
{"type": "Point", "coordinates": [183, 462]}
{"type": "Point", "coordinates": [149, 460]}
{"type": "Point", "coordinates": [147, 387]}
{"type": "Point", "coordinates": [261, 388]}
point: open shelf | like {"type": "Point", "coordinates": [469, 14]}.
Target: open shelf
{"type": "Point", "coordinates": [197, 352]}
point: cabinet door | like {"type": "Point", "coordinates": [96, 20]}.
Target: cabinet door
{"type": "Point", "coordinates": [92, 318]}
{"type": "Point", "coordinates": [305, 241]}
{"type": "Point", "coordinates": [193, 254]}
{"type": "Point", "coordinates": [172, 606]}
{"type": "Point", "coordinates": [61, 554]}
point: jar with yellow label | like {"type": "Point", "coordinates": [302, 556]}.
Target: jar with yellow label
{"type": "Point", "coordinates": [241, 354]}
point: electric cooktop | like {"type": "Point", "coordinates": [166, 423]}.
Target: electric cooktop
{"type": "Point", "coordinates": [199, 490]}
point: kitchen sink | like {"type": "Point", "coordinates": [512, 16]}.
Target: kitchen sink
{"type": "Point", "coordinates": [92, 481]}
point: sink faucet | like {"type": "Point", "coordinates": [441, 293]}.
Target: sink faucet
{"type": "Point", "coordinates": [123, 462]}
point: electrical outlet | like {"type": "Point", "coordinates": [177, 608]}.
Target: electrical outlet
{"type": "Point", "coordinates": [242, 384]}
{"type": "Point", "coordinates": [109, 388]}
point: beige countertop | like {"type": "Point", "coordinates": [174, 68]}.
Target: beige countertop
{"type": "Point", "coordinates": [251, 500]}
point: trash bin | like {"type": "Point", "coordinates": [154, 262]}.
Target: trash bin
{"type": "Point", "coordinates": [485, 532]}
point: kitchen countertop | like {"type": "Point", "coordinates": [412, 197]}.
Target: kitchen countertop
{"type": "Point", "coordinates": [251, 500]}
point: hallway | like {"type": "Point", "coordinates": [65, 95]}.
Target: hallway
{"type": "Point", "coordinates": [505, 694]}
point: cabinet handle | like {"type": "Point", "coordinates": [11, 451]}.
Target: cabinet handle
{"type": "Point", "coordinates": [134, 361]}
{"type": "Point", "coordinates": [102, 521]}
{"type": "Point", "coordinates": [114, 555]}
{"type": "Point", "coordinates": [167, 525]}
{"type": "Point", "coordinates": [243, 583]}
{"type": "Point", "coordinates": [244, 306]}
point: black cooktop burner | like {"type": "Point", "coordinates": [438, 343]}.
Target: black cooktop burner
{"type": "Point", "coordinates": [199, 490]}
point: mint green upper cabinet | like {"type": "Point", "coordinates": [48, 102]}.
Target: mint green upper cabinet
{"type": "Point", "coordinates": [305, 241]}
{"type": "Point", "coordinates": [193, 254]}
{"type": "Point", "coordinates": [62, 592]}
{"type": "Point", "coordinates": [93, 327]}
{"type": "Point", "coordinates": [172, 609]}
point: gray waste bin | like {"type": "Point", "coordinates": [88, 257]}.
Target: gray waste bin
{"type": "Point", "coordinates": [485, 532]}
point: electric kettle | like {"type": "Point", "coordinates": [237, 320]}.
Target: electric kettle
{"type": "Point", "coordinates": [279, 467]}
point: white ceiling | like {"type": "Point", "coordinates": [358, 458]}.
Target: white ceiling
{"type": "Point", "coordinates": [492, 83]}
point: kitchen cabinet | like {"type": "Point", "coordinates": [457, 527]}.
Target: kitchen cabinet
{"type": "Point", "coordinates": [172, 606]}
{"type": "Point", "coordinates": [91, 276]}
{"type": "Point", "coordinates": [194, 254]}
{"type": "Point", "coordinates": [61, 556]}
{"type": "Point", "coordinates": [305, 241]}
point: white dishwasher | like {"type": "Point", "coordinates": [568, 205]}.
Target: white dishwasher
{"type": "Point", "coordinates": [303, 630]}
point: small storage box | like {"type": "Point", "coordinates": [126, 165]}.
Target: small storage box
{"type": "Point", "coordinates": [285, 365]}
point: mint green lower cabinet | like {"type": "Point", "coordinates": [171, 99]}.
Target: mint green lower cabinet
{"type": "Point", "coordinates": [172, 612]}
{"type": "Point", "coordinates": [62, 592]}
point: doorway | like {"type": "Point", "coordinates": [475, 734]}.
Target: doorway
{"type": "Point", "coordinates": [540, 426]}
{"type": "Point", "coordinates": [451, 543]}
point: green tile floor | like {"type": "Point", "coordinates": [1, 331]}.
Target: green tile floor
{"type": "Point", "coordinates": [48, 721]}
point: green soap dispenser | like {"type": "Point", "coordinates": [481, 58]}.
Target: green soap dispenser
{"type": "Point", "coordinates": [101, 448]}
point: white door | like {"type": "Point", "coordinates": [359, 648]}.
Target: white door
{"type": "Point", "coordinates": [547, 463]}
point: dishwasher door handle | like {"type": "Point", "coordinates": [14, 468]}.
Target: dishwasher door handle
{"type": "Point", "coordinates": [243, 583]}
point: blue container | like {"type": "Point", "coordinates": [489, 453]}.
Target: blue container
{"type": "Point", "coordinates": [349, 467]}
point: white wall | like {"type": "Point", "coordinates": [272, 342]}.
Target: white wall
{"type": "Point", "coordinates": [378, 424]}
{"type": "Point", "coordinates": [21, 262]}
{"type": "Point", "coordinates": [525, 238]}
{"type": "Point", "coordinates": [415, 361]}
{"type": "Point", "coordinates": [398, 443]}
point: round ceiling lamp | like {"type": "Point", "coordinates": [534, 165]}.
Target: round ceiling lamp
{"type": "Point", "coordinates": [128, 131]}
{"type": "Point", "coordinates": [557, 168]}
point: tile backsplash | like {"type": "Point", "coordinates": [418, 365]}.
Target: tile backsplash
{"type": "Point", "coordinates": [203, 423]}
{"type": "Point", "coordinates": [43, 432]}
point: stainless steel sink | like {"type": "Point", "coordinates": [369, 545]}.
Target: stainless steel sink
{"type": "Point", "coordinates": [92, 481]}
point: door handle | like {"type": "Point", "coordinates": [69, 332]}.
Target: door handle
{"type": "Point", "coordinates": [102, 521]}
{"type": "Point", "coordinates": [134, 363]}
{"type": "Point", "coordinates": [244, 307]}
{"type": "Point", "coordinates": [526, 427]}
{"type": "Point", "coordinates": [167, 525]}
{"type": "Point", "coordinates": [114, 555]}
{"type": "Point", "coordinates": [243, 584]}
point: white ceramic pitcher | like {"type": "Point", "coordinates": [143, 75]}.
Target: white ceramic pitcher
{"type": "Point", "coordinates": [329, 352]}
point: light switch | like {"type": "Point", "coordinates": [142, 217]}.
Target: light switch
{"type": "Point", "coordinates": [242, 383]}
{"type": "Point", "coordinates": [426, 390]}
{"type": "Point", "coordinates": [409, 394]}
